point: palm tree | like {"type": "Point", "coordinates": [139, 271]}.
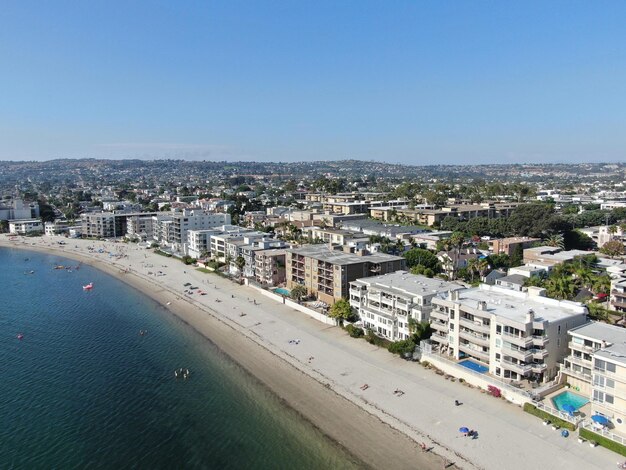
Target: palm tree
{"type": "Point", "coordinates": [556, 240]}
{"type": "Point", "coordinates": [560, 287]}
{"type": "Point", "coordinates": [298, 292]}
{"type": "Point", "coordinates": [583, 275]}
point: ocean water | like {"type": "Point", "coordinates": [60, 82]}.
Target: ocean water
{"type": "Point", "coordinates": [83, 389]}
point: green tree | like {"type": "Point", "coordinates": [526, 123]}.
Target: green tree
{"type": "Point", "coordinates": [556, 240]}
{"type": "Point", "coordinates": [560, 287]}
{"type": "Point", "coordinates": [341, 310]}
{"type": "Point", "coordinates": [298, 292]}
{"type": "Point", "coordinates": [422, 257]}
{"type": "Point", "coordinates": [597, 312]}
{"type": "Point", "coordinates": [240, 262]}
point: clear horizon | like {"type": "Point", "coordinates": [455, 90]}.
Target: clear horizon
{"type": "Point", "coordinates": [419, 83]}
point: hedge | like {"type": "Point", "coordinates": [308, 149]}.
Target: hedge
{"type": "Point", "coordinates": [533, 410]}
{"type": "Point", "coordinates": [603, 441]}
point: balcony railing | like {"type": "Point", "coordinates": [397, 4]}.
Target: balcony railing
{"type": "Point", "coordinates": [524, 341]}
{"type": "Point", "coordinates": [516, 367]}
{"type": "Point", "coordinates": [474, 325]}
{"type": "Point", "coordinates": [474, 338]}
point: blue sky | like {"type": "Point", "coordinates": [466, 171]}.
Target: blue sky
{"type": "Point", "coordinates": [408, 81]}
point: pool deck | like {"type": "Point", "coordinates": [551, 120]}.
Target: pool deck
{"type": "Point", "coordinates": [582, 412]}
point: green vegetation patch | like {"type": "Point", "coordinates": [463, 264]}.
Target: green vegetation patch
{"type": "Point", "coordinates": [533, 410]}
{"type": "Point", "coordinates": [603, 441]}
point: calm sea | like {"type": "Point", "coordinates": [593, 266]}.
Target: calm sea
{"type": "Point", "coordinates": [83, 389]}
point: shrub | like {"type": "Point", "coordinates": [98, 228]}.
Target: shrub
{"type": "Point", "coordinates": [494, 391]}
{"type": "Point", "coordinates": [371, 338]}
{"type": "Point", "coordinates": [533, 410]}
{"type": "Point", "coordinates": [603, 441]}
{"type": "Point", "coordinates": [355, 331]}
{"type": "Point", "coordinates": [402, 348]}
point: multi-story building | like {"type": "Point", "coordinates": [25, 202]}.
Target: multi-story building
{"type": "Point", "coordinates": [550, 256]}
{"type": "Point", "coordinates": [269, 267]}
{"type": "Point", "coordinates": [618, 294]}
{"type": "Point", "coordinates": [326, 272]}
{"type": "Point", "coordinates": [510, 244]}
{"type": "Point", "coordinates": [199, 242]}
{"type": "Point", "coordinates": [517, 335]}
{"type": "Point", "coordinates": [22, 227]}
{"type": "Point", "coordinates": [386, 303]}
{"type": "Point", "coordinates": [194, 220]}
{"type": "Point", "coordinates": [108, 224]}
{"type": "Point", "coordinates": [17, 209]}
{"type": "Point", "coordinates": [433, 217]}
{"type": "Point", "coordinates": [596, 368]}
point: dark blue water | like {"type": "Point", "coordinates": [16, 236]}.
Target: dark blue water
{"type": "Point", "coordinates": [83, 389]}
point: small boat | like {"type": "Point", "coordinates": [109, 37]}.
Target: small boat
{"type": "Point", "coordinates": [20, 336]}
{"type": "Point", "coordinates": [88, 286]}
{"type": "Point", "coordinates": [59, 267]}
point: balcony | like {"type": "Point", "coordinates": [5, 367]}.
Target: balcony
{"type": "Point", "coordinates": [440, 338]}
{"type": "Point", "coordinates": [474, 325]}
{"type": "Point", "coordinates": [575, 373]}
{"type": "Point", "coordinates": [522, 355]}
{"type": "Point", "coordinates": [539, 353]}
{"type": "Point", "coordinates": [440, 327]}
{"type": "Point", "coordinates": [538, 367]}
{"type": "Point", "coordinates": [540, 340]}
{"type": "Point", "coordinates": [581, 347]}
{"type": "Point", "coordinates": [479, 353]}
{"type": "Point", "coordinates": [524, 341]}
{"type": "Point", "coordinates": [436, 314]}
{"type": "Point", "coordinates": [579, 361]}
{"type": "Point", "coordinates": [522, 369]}
{"type": "Point", "coordinates": [474, 338]}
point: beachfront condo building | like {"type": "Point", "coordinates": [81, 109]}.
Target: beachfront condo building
{"type": "Point", "coordinates": [326, 272]}
{"type": "Point", "coordinates": [516, 335]}
{"type": "Point", "coordinates": [596, 369]}
{"type": "Point", "coordinates": [22, 227]}
{"type": "Point", "coordinates": [269, 267]}
{"type": "Point", "coordinates": [193, 220]}
{"type": "Point", "coordinates": [108, 224]}
{"type": "Point", "coordinates": [386, 303]}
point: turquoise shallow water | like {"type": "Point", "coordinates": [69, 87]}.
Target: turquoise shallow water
{"type": "Point", "coordinates": [83, 389]}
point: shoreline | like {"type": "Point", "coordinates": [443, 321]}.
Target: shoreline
{"type": "Point", "coordinates": [366, 438]}
{"type": "Point", "coordinates": [321, 374]}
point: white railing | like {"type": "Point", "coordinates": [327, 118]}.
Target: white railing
{"type": "Point", "coordinates": [559, 414]}
{"type": "Point", "coordinates": [603, 432]}
{"type": "Point", "coordinates": [425, 355]}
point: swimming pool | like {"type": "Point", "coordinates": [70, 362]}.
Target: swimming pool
{"type": "Point", "coordinates": [569, 398]}
{"type": "Point", "coordinates": [475, 366]}
{"type": "Point", "coordinates": [282, 291]}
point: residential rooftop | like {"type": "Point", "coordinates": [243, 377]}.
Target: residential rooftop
{"type": "Point", "coordinates": [324, 253]}
{"type": "Point", "coordinates": [614, 336]}
{"type": "Point", "coordinates": [515, 305]}
{"type": "Point", "coordinates": [403, 282]}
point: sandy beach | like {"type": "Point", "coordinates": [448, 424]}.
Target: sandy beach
{"type": "Point", "coordinates": [319, 371]}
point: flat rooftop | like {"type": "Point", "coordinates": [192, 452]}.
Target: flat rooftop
{"type": "Point", "coordinates": [403, 282]}
{"type": "Point", "coordinates": [614, 336]}
{"type": "Point", "coordinates": [515, 305]}
{"type": "Point", "coordinates": [323, 253]}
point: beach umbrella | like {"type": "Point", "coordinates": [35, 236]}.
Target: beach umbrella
{"type": "Point", "coordinates": [568, 408]}
{"type": "Point", "coordinates": [600, 419]}
{"type": "Point", "coordinates": [464, 430]}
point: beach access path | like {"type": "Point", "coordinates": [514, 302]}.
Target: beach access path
{"type": "Point", "coordinates": [327, 369]}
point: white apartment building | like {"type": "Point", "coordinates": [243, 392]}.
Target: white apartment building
{"type": "Point", "coordinates": [199, 242]}
{"type": "Point", "coordinates": [193, 220]}
{"type": "Point", "coordinates": [596, 369]}
{"type": "Point", "coordinates": [17, 209]}
{"type": "Point", "coordinates": [22, 227]}
{"type": "Point", "coordinates": [517, 335]}
{"type": "Point", "coordinates": [385, 303]}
